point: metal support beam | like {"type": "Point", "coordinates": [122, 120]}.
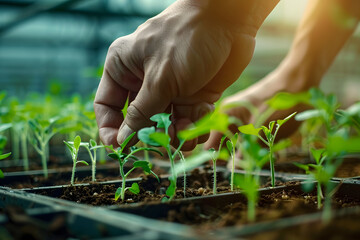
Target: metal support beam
{"type": "Point", "coordinates": [34, 10]}
{"type": "Point", "coordinates": [88, 12]}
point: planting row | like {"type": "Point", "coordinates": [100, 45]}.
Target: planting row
{"type": "Point", "coordinates": [67, 210]}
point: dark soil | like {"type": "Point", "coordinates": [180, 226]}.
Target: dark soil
{"type": "Point", "coordinates": [63, 175]}
{"type": "Point", "coordinates": [198, 184]}
{"type": "Point", "coordinates": [272, 206]}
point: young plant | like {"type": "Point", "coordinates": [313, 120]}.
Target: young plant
{"type": "Point", "coordinates": [3, 156]}
{"type": "Point", "coordinates": [254, 157]}
{"type": "Point", "coordinates": [41, 133]}
{"type": "Point", "coordinates": [183, 161]}
{"type": "Point", "coordinates": [92, 145]}
{"type": "Point", "coordinates": [162, 139]}
{"type": "Point", "coordinates": [231, 146]}
{"type": "Point", "coordinates": [74, 150]}
{"type": "Point", "coordinates": [270, 136]}
{"type": "Point", "coordinates": [214, 157]}
{"type": "Point", "coordinates": [123, 157]}
{"type": "Point", "coordinates": [322, 171]}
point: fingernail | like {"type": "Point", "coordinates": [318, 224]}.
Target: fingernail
{"type": "Point", "coordinates": [123, 133]}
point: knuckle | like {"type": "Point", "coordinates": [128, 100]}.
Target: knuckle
{"type": "Point", "coordinates": [136, 116]}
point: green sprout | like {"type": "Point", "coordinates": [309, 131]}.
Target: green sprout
{"type": "Point", "coordinates": [219, 121]}
{"type": "Point", "coordinates": [322, 171]}
{"type": "Point", "coordinates": [3, 156]}
{"type": "Point", "coordinates": [74, 150]}
{"type": "Point", "coordinates": [183, 161]}
{"type": "Point", "coordinates": [120, 155]}
{"type": "Point", "coordinates": [214, 157]}
{"type": "Point", "coordinates": [92, 145]}
{"type": "Point", "coordinates": [41, 133]}
{"type": "Point", "coordinates": [149, 136]}
{"type": "Point", "coordinates": [270, 135]}
{"type": "Point", "coordinates": [231, 146]}
{"type": "Point", "coordinates": [254, 158]}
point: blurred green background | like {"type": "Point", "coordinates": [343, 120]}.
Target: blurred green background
{"type": "Point", "coordinates": [61, 44]}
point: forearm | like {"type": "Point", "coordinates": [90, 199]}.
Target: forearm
{"type": "Point", "coordinates": [325, 28]}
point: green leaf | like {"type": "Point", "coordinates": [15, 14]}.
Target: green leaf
{"type": "Point", "coordinates": [308, 185]}
{"type": "Point", "coordinates": [125, 108]}
{"type": "Point", "coordinates": [142, 164]}
{"type": "Point", "coordinates": [284, 100]}
{"type": "Point", "coordinates": [316, 153]}
{"type": "Point", "coordinates": [229, 146]}
{"type": "Point", "coordinates": [337, 144]}
{"type": "Point", "coordinates": [144, 136]}
{"type": "Point", "coordinates": [99, 146]}
{"type": "Point", "coordinates": [77, 142]}
{"type": "Point", "coordinates": [354, 109]}
{"type": "Point", "coordinates": [161, 138]}
{"type": "Point", "coordinates": [3, 156]}
{"type": "Point", "coordinates": [70, 147]}
{"type": "Point", "coordinates": [134, 188]}
{"type": "Point", "coordinates": [84, 144]}
{"type": "Point", "coordinates": [165, 199]}
{"type": "Point", "coordinates": [118, 193]}
{"type": "Point", "coordinates": [234, 139]}
{"type": "Point", "coordinates": [3, 141]}
{"type": "Point", "coordinates": [83, 162]}
{"type": "Point", "coordinates": [313, 113]}
{"type": "Point", "coordinates": [271, 126]}
{"type": "Point", "coordinates": [281, 122]}
{"type": "Point", "coordinates": [267, 132]}
{"type": "Point", "coordinates": [93, 143]}
{"type": "Point", "coordinates": [152, 150]}
{"type": "Point", "coordinates": [283, 144]}
{"type": "Point", "coordinates": [162, 120]}
{"type": "Point", "coordinates": [170, 191]}
{"type": "Point", "coordinates": [127, 140]}
{"type": "Point", "coordinates": [132, 157]}
{"type": "Point", "coordinates": [302, 166]}
{"type": "Point", "coordinates": [223, 154]}
{"type": "Point", "coordinates": [5, 126]}
{"type": "Point", "coordinates": [249, 129]}
{"type": "Point", "coordinates": [1, 174]}
{"type": "Point", "coordinates": [213, 121]}
{"type": "Point", "coordinates": [114, 156]}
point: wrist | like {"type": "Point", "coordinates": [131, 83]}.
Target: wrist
{"type": "Point", "coordinates": [299, 75]}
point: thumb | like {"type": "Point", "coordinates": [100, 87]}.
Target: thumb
{"type": "Point", "coordinates": [149, 101]}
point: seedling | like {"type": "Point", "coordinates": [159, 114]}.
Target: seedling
{"type": "Point", "coordinates": [322, 171]}
{"type": "Point", "coordinates": [74, 150]}
{"type": "Point", "coordinates": [183, 161]}
{"type": "Point", "coordinates": [162, 139]}
{"type": "Point", "coordinates": [120, 155]}
{"type": "Point", "coordinates": [214, 157]}
{"type": "Point", "coordinates": [3, 156]}
{"type": "Point", "coordinates": [92, 145]}
{"type": "Point", "coordinates": [254, 157]}
{"type": "Point", "coordinates": [41, 133]}
{"type": "Point", "coordinates": [270, 138]}
{"type": "Point", "coordinates": [231, 146]}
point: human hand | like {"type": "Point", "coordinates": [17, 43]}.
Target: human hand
{"type": "Point", "coordinates": [282, 79]}
{"type": "Point", "coordinates": [179, 61]}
